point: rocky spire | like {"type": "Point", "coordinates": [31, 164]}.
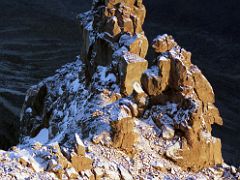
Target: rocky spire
{"type": "Point", "coordinates": [118, 116]}
{"type": "Point", "coordinates": [117, 39]}
{"type": "Point", "coordinates": [111, 29]}
{"type": "Point", "coordinates": [173, 78]}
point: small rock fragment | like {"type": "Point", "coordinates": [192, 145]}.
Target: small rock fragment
{"type": "Point", "coordinates": [79, 146]}
{"type": "Point", "coordinates": [168, 132]}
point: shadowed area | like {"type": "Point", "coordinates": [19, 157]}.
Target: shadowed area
{"type": "Point", "coordinates": [37, 37]}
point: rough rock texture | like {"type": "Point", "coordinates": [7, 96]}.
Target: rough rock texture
{"type": "Point", "coordinates": [106, 116]}
{"type": "Point", "coordinates": [131, 68]}
{"type": "Point", "coordinates": [175, 79]}
{"type": "Point", "coordinates": [110, 26]}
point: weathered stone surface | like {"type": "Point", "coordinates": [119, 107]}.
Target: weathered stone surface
{"type": "Point", "coordinates": [137, 44]}
{"type": "Point", "coordinates": [81, 163]}
{"type": "Point", "coordinates": [130, 69]}
{"type": "Point", "coordinates": [163, 43]}
{"type": "Point", "coordinates": [140, 98]}
{"type": "Point", "coordinates": [79, 146]}
{"type": "Point", "coordinates": [86, 35]}
{"type": "Point", "coordinates": [103, 49]}
{"type": "Point", "coordinates": [157, 79]}
{"type": "Point", "coordinates": [135, 122]}
{"type": "Point", "coordinates": [202, 86]}
{"type": "Point", "coordinates": [124, 134]}
{"type": "Point", "coordinates": [174, 78]}
{"type": "Point", "coordinates": [111, 19]}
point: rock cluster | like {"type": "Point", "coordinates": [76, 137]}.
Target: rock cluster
{"type": "Point", "coordinates": [109, 115]}
{"type": "Point", "coordinates": [112, 35]}
{"type": "Point", "coordinates": [173, 78]}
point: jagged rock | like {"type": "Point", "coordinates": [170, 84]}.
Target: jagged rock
{"type": "Point", "coordinates": [136, 44]}
{"type": "Point", "coordinates": [36, 102]}
{"type": "Point", "coordinates": [140, 98]}
{"type": "Point", "coordinates": [79, 146]}
{"type": "Point", "coordinates": [157, 79]}
{"type": "Point", "coordinates": [124, 134]}
{"type": "Point", "coordinates": [112, 19]}
{"type": "Point", "coordinates": [176, 80]}
{"type": "Point", "coordinates": [112, 26]}
{"type": "Point", "coordinates": [127, 115]}
{"type": "Point", "coordinates": [131, 68]}
{"type": "Point", "coordinates": [103, 50]}
{"type": "Point", "coordinates": [163, 43]}
{"type": "Point", "coordinates": [202, 87]}
{"type": "Point", "coordinates": [86, 35]}
{"type": "Point", "coordinates": [81, 163]}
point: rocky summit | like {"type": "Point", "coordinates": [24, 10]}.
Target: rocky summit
{"type": "Point", "coordinates": [112, 114]}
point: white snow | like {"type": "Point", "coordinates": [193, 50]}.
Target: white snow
{"type": "Point", "coordinates": [42, 136]}
{"type": "Point", "coordinates": [75, 85]}
{"type": "Point", "coordinates": [28, 110]}
{"type": "Point", "coordinates": [105, 76]}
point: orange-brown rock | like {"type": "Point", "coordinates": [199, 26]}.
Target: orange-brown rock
{"type": "Point", "coordinates": [79, 146]}
{"type": "Point", "coordinates": [202, 86]}
{"type": "Point", "coordinates": [81, 163]}
{"type": "Point", "coordinates": [163, 43]}
{"type": "Point", "coordinates": [157, 79]}
{"type": "Point", "coordinates": [174, 78]}
{"type": "Point", "coordinates": [139, 46]}
{"type": "Point", "coordinates": [124, 134]}
{"type": "Point", "coordinates": [131, 68]}
{"type": "Point", "coordinates": [140, 98]}
{"type": "Point", "coordinates": [112, 19]}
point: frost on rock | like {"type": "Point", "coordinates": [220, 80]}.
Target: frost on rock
{"type": "Point", "coordinates": [109, 115]}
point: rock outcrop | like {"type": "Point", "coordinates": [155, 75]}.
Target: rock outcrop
{"type": "Point", "coordinates": [174, 78]}
{"type": "Point", "coordinates": [112, 35]}
{"type": "Point", "coordinates": [109, 115]}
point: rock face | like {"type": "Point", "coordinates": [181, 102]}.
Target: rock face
{"type": "Point", "coordinates": [110, 116]}
{"type": "Point", "coordinates": [131, 68]}
{"type": "Point", "coordinates": [174, 78]}
{"type": "Point", "coordinates": [110, 26]}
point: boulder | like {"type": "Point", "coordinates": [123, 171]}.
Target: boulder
{"type": "Point", "coordinates": [130, 69]}
{"type": "Point", "coordinates": [124, 134]}
{"type": "Point", "coordinates": [81, 163]}
{"type": "Point", "coordinates": [157, 79]}
{"type": "Point", "coordinates": [163, 43]}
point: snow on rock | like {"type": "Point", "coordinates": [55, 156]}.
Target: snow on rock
{"type": "Point", "coordinates": [108, 115]}
{"type": "Point", "coordinates": [42, 136]}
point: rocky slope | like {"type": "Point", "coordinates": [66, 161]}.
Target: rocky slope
{"type": "Point", "coordinates": [112, 115]}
